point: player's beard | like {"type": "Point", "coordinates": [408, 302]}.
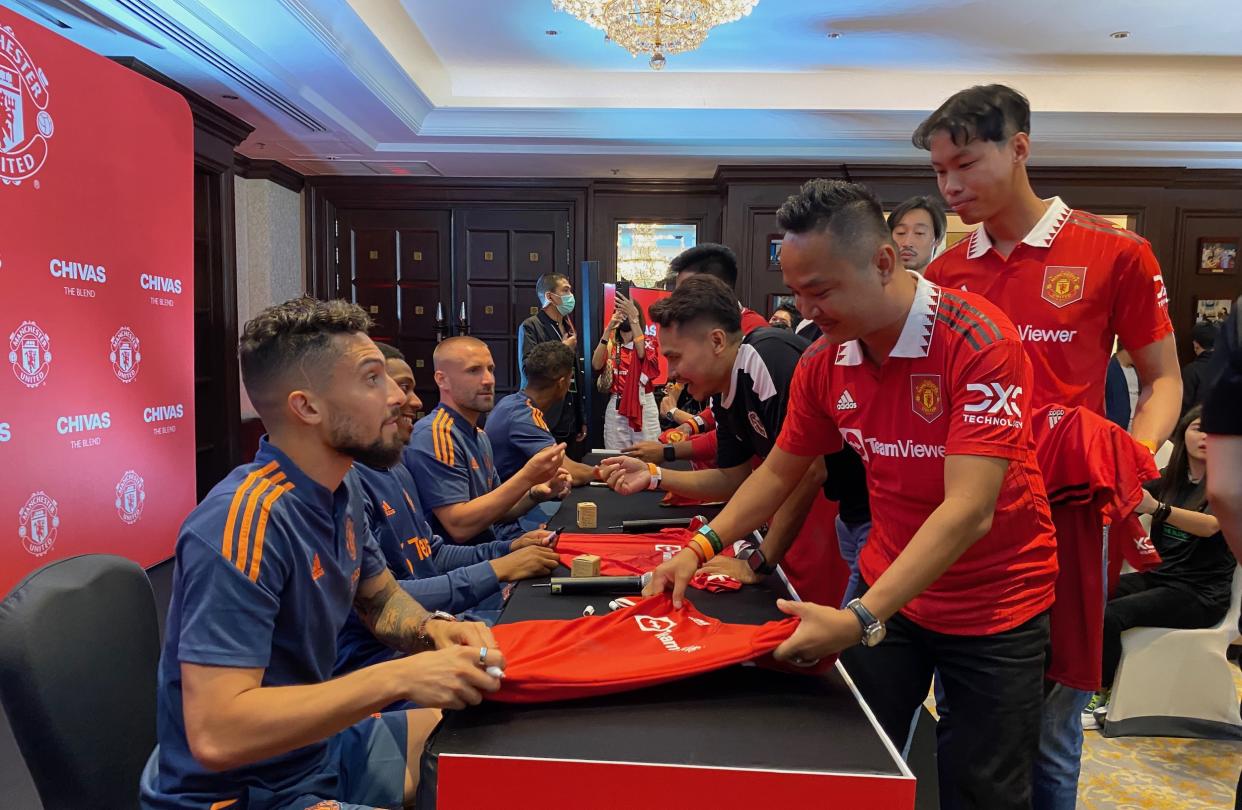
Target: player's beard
{"type": "Point", "coordinates": [483, 402]}
{"type": "Point", "coordinates": [378, 454]}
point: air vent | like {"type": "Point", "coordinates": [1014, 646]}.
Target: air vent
{"type": "Point", "coordinates": [55, 12]}
{"type": "Point", "coordinates": [192, 43]}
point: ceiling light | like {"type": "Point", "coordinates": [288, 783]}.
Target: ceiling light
{"type": "Point", "coordinates": [656, 27]}
{"type": "Point", "coordinates": [1120, 35]}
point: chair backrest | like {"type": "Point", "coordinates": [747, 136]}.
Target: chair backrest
{"type": "Point", "coordinates": [79, 650]}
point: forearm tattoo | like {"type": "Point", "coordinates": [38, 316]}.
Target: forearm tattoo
{"type": "Point", "coordinates": [393, 617]}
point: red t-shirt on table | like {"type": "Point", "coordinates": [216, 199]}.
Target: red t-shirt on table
{"type": "Point", "coordinates": [956, 383]}
{"type": "Point", "coordinates": [1069, 286]}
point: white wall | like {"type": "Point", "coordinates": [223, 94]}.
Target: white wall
{"type": "Point", "coordinates": [271, 235]}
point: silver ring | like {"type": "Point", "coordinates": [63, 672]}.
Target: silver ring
{"type": "Point", "coordinates": [482, 655]}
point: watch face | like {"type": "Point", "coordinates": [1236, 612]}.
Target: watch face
{"type": "Point", "coordinates": [755, 560]}
{"type": "Point", "coordinates": [874, 634]}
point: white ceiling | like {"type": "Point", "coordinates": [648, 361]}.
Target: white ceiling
{"type": "Point", "coordinates": [476, 87]}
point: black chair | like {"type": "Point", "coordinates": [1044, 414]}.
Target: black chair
{"type": "Point", "coordinates": [79, 650]}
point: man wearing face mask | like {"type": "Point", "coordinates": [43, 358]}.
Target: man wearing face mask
{"type": "Point", "coordinates": [556, 295]}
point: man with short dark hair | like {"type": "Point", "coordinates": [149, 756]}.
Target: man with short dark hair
{"type": "Point", "coordinates": [553, 324]}
{"type": "Point", "coordinates": [516, 426]}
{"type": "Point", "coordinates": [441, 576]}
{"type": "Point", "coordinates": [451, 458]}
{"type": "Point", "coordinates": [1195, 373]}
{"type": "Point", "coordinates": [786, 316]}
{"type": "Point", "coordinates": [960, 564]}
{"type": "Point", "coordinates": [748, 377]}
{"type": "Point", "coordinates": [268, 568]}
{"type": "Point", "coordinates": [918, 226]}
{"type": "Point", "coordinates": [718, 261]}
{"type": "Point", "coordinates": [1073, 284]}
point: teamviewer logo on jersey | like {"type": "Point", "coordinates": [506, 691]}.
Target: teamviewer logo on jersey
{"type": "Point", "coordinates": [854, 438]}
{"type": "Point", "coordinates": [655, 624]}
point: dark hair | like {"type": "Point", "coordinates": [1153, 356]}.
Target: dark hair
{"type": "Point", "coordinates": [848, 211]}
{"type": "Point", "coordinates": [1204, 333]}
{"type": "Point", "coordinates": [792, 310]}
{"type": "Point", "coordinates": [642, 320]}
{"type": "Point", "coordinates": [547, 283]}
{"type": "Point", "coordinates": [700, 298]}
{"type": "Point", "coordinates": [390, 352]}
{"type": "Point", "coordinates": [1175, 474]}
{"type": "Point", "coordinates": [296, 335]}
{"type": "Point", "coordinates": [991, 112]}
{"type": "Point", "coordinates": [547, 363]}
{"type": "Point", "coordinates": [939, 223]}
{"type": "Point", "coordinates": [710, 259]}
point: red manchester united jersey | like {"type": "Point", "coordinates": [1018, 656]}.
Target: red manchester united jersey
{"type": "Point", "coordinates": [1069, 287]}
{"type": "Point", "coordinates": [956, 383]}
{"type": "Point", "coordinates": [1094, 473]}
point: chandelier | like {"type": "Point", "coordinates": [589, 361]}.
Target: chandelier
{"type": "Point", "coordinates": [643, 263]}
{"type": "Point", "coordinates": [656, 27]}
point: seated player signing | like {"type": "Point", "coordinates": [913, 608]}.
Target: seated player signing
{"type": "Point", "coordinates": [441, 576]}
{"type": "Point", "coordinates": [268, 568]}
{"type": "Point", "coordinates": [451, 458]}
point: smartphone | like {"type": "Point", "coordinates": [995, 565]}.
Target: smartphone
{"type": "Point", "coordinates": [623, 288]}
{"type": "Point", "coordinates": [555, 538]}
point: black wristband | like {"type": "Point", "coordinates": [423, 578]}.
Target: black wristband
{"type": "Point", "coordinates": [670, 453]}
{"type": "Point", "coordinates": [1162, 513]}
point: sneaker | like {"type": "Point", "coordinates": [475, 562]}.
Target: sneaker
{"type": "Point", "coordinates": [1093, 714]}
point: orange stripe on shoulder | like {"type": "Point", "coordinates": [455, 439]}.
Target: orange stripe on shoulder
{"type": "Point", "coordinates": [226, 547]}
{"type": "Point", "coordinates": [260, 531]}
{"type": "Point", "coordinates": [223, 804]}
{"type": "Point", "coordinates": [252, 502]}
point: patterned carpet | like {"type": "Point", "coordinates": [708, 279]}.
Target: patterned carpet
{"type": "Point", "coordinates": [1128, 773]}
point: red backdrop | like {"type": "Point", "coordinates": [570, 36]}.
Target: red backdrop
{"type": "Point", "coordinates": [96, 306]}
{"type": "Point", "coordinates": [644, 298]}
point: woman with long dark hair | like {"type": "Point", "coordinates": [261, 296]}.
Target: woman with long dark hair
{"type": "Point", "coordinates": [627, 364]}
{"type": "Point", "coordinates": [1192, 586]}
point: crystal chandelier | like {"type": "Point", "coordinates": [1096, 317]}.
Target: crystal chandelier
{"type": "Point", "coordinates": [656, 27]}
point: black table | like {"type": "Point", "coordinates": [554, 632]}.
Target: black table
{"type": "Point", "coordinates": [738, 737]}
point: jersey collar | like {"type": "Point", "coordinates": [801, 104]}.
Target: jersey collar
{"type": "Point", "coordinates": [916, 334]}
{"type": "Point", "coordinates": [305, 488]}
{"type": "Point", "coordinates": [1041, 235]}
{"type": "Point", "coordinates": [459, 420]}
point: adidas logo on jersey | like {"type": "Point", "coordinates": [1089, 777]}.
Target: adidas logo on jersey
{"type": "Point", "coordinates": [316, 567]}
{"type": "Point", "coordinates": [388, 510]}
{"type": "Point", "coordinates": [846, 402]}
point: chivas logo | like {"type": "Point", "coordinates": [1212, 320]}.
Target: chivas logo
{"type": "Point", "coordinates": [125, 356]}
{"type": "Point", "coordinates": [130, 497]}
{"type": "Point", "coordinates": [25, 124]}
{"type": "Point", "coordinates": [39, 523]}
{"type": "Point", "coordinates": [925, 396]}
{"type": "Point", "coordinates": [30, 353]}
{"type": "Point", "coordinates": [1063, 285]}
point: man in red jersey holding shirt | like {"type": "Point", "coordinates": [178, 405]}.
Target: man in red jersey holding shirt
{"type": "Point", "coordinates": [1071, 282]}
{"type": "Point", "coordinates": [931, 387]}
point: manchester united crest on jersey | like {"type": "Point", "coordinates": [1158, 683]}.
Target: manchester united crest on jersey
{"type": "Point", "coordinates": [351, 541]}
{"type": "Point", "coordinates": [1063, 285]}
{"type": "Point", "coordinates": [925, 396]}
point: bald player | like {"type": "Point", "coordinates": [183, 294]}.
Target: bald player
{"type": "Point", "coordinates": [451, 458]}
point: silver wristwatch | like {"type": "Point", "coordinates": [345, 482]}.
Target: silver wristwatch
{"type": "Point", "coordinates": [872, 628]}
{"type": "Point", "coordinates": [435, 615]}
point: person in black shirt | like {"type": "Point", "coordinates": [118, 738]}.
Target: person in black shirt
{"type": "Point", "coordinates": [1191, 587]}
{"type": "Point", "coordinates": [556, 297]}
{"type": "Point", "coordinates": [1195, 373]}
{"type": "Point", "coordinates": [750, 376]}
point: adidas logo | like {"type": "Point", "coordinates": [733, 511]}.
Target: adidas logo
{"type": "Point", "coordinates": [316, 567]}
{"type": "Point", "coordinates": [388, 510]}
{"type": "Point", "coordinates": [846, 402]}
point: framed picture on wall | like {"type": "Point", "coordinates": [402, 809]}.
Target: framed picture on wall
{"type": "Point", "coordinates": [1218, 255]}
{"type": "Point", "coordinates": [774, 252]}
{"type": "Point", "coordinates": [1214, 310]}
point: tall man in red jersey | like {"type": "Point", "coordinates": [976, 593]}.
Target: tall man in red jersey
{"type": "Point", "coordinates": [1071, 282]}
{"type": "Point", "coordinates": [930, 386]}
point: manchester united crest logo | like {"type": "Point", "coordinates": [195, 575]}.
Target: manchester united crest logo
{"type": "Point", "coordinates": [125, 356]}
{"type": "Point", "coordinates": [351, 542]}
{"type": "Point", "coordinates": [925, 396]}
{"type": "Point", "coordinates": [25, 123]}
{"type": "Point", "coordinates": [30, 354]}
{"type": "Point", "coordinates": [130, 497]}
{"type": "Point", "coordinates": [1063, 285]}
{"type": "Point", "coordinates": [39, 523]}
